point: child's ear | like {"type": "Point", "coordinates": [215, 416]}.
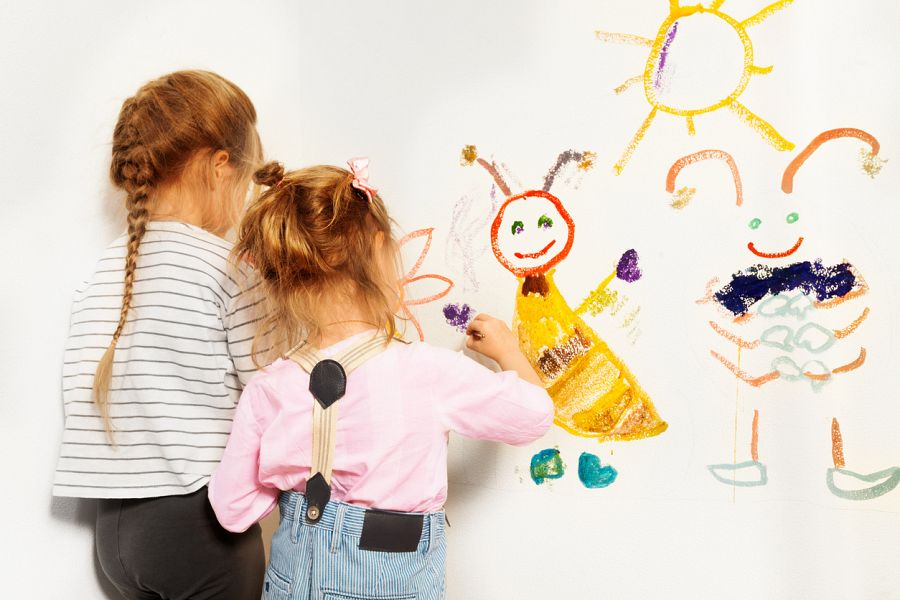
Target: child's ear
{"type": "Point", "coordinates": [221, 169]}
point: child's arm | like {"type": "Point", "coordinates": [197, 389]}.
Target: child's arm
{"type": "Point", "coordinates": [511, 406]}
{"type": "Point", "coordinates": [235, 492]}
{"type": "Point", "coordinates": [241, 317]}
{"type": "Point", "coordinates": [491, 337]}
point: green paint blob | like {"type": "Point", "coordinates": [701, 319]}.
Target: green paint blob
{"type": "Point", "coordinates": [755, 223]}
{"type": "Point", "coordinates": [792, 218]}
{"type": "Point", "coordinates": [518, 227]}
{"type": "Point", "coordinates": [545, 222]}
{"type": "Point", "coordinates": [547, 464]}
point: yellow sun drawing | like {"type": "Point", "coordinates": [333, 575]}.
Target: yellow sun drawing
{"type": "Point", "coordinates": [676, 91]}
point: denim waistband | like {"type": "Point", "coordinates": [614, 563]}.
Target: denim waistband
{"type": "Point", "coordinates": [347, 518]}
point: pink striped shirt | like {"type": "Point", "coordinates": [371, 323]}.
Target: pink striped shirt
{"type": "Point", "coordinates": [392, 430]}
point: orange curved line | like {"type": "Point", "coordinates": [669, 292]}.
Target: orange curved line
{"type": "Point", "coordinates": [841, 299]}
{"type": "Point", "coordinates": [537, 254]}
{"type": "Point", "coordinates": [743, 375]}
{"type": "Point", "coordinates": [428, 231]}
{"type": "Point", "coordinates": [411, 317]}
{"type": "Point", "coordinates": [842, 333]}
{"type": "Point", "coordinates": [708, 296]}
{"type": "Point", "coordinates": [433, 297]}
{"type": "Point", "coordinates": [787, 252]}
{"type": "Point", "coordinates": [817, 376]}
{"type": "Point", "coordinates": [850, 366]}
{"type": "Point", "coordinates": [787, 180]}
{"type": "Point", "coordinates": [734, 339]}
{"type": "Point", "coordinates": [684, 161]}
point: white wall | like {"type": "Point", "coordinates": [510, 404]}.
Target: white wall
{"type": "Point", "coordinates": [410, 83]}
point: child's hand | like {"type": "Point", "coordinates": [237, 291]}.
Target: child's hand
{"type": "Point", "coordinates": [492, 337]}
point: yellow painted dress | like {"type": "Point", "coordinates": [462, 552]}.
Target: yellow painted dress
{"type": "Point", "coordinates": [594, 393]}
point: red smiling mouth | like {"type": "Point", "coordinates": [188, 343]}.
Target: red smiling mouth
{"type": "Point", "coordinates": [753, 249]}
{"type": "Point", "coordinates": [535, 254]}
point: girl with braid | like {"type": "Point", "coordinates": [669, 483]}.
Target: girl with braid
{"type": "Point", "coordinates": [159, 347]}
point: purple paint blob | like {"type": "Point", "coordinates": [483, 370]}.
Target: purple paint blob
{"type": "Point", "coordinates": [627, 269]}
{"type": "Point", "coordinates": [663, 53]}
{"type": "Point", "coordinates": [458, 315]}
{"type": "Point", "coordinates": [754, 283]}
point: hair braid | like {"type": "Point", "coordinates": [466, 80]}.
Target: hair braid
{"type": "Point", "coordinates": [132, 170]}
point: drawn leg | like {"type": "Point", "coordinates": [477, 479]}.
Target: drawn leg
{"type": "Point", "coordinates": [845, 484]}
{"type": "Point", "coordinates": [750, 473]}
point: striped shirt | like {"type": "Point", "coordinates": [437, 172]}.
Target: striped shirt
{"type": "Point", "coordinates": [178, 370]}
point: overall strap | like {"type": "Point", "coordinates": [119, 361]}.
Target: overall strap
{"type": "Point", "coordinates": [328, 384]}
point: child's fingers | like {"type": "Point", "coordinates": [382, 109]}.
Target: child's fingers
{"type": "Point", "coordinates": [474, 342]}
{"type": "Point", "coordinates": [476, 327]}
{"type": "Point", "coordinates": [475, 333]}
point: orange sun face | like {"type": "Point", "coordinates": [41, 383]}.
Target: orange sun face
{"type": "Point", "coordinates": [701, 60]}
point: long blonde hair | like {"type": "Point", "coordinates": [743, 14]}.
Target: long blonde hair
{"type": "Point", "coordinates": [168, 125]}
{"type": "Point", "coordinates": [314, 238]}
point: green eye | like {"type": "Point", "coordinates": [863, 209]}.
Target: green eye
{"type": "Point", "coordinates": [754, 224]}
{"type": "Point", "coordinates": [518, 227]}
{"type": "Point", "coordinates": [792, 218]}
{"type": "Point", "coordinates": [545, 222]}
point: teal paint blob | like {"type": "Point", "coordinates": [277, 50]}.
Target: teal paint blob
{"type": "Point", "coordinates": [594, 475]}
{"type": "Point", "coordinates": [547, 464]}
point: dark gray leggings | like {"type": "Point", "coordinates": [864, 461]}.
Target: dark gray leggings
{"type": "Point", "coordinates": [173, 548]}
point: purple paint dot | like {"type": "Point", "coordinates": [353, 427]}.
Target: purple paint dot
{"type": "Point", "coordinates": [627, 269]}
{"type": "Point", "coordinates": [458, 315]}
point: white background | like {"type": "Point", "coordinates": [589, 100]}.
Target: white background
{"type": "Point", "coordinates": [410, 83]}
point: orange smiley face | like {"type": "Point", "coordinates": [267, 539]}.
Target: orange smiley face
{"type": "Point", "coordinates": [532, 233]}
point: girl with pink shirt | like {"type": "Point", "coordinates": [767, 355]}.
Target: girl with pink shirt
{"type": "Point", "coordinates": [348, 430]}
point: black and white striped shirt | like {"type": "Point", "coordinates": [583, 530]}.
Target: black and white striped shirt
{"type": "Point", "coordinates": [179, 367]}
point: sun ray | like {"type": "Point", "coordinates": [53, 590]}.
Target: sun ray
{"type": "Point", "coordinates": [690, 125]}
{"type": "Point", "coordinates": [762, 127]}
{"type": "Point", "coordinates": [755, 70]}
{"type": "Point", "coordinates": [623, 38]}
{"type": "Point", "coordinates": [765, 13]}
{"type": "Point", "coordinates": [629, 150]}
{"type": "Point", "coordinates": [716, 5]}
{"type": "Point", "coordinates": [628, 83]}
